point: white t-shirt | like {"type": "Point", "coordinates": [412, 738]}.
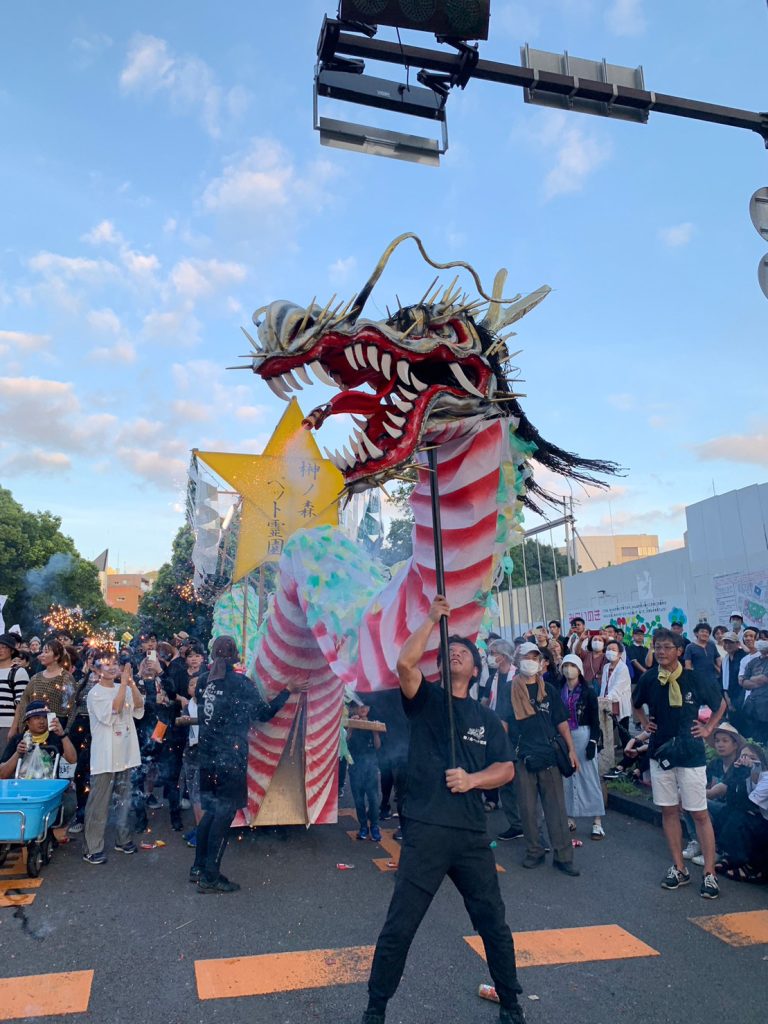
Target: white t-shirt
{"type": "Point", "coordinates": [11, 695]}
{"type": "Point", "coordinates": [114, 743]}
{"type": "Point", "coordinates": [194, 730]}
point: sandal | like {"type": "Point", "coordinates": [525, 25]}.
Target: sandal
{"type": "Point", "coordinates": [571, 825]}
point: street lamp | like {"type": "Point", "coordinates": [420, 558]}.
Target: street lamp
{"type": "Point", "coordinates": [758, 211]}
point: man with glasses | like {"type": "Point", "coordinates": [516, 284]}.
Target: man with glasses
{"type": "Point", "coordinates": [668, 698]}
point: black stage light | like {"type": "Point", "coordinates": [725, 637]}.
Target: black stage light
{"type": "Point", "coordinates": [452, 19]}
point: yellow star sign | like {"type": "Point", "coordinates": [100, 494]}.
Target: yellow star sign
{"type": "Point", "coordinates": [288, 487]}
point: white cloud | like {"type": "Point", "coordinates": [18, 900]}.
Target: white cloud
{"type": "Point", "coordinates": [250, 412]}
{"type": "Point", "coordinates": [632, 521]}
{"type": "Point", "coordinates": [15, 342]}
{"type": "Point", "coordinates": [622, 401]}
{"type": "Point", "coordinates": [746, 448]}
{"type": "Point", "coordinates": [191, 411]}
{"type": "Point", "coordinates": [172, 326]}
{"type": "Point", "coordinates": [188, 82]}
{"type": "Point", "coordinates": [103, 232]}
{"type": "Point", "coordinates": [48, 413]}
{"type": "Point", "coordinates": [342, 269]}
{"type": "Point", "coordinates": [158, 468]}
{"type": "Point", "coordinates": [73, 267]}
{"type": "Point", "coordinates": [626, 18]}
{"type": "Point", "coordinates": [36, 461]}
{"type": "Point", "coordinates": [578, 154]}
{"type": "Point", "coordinates": [89, 46]}
{"type": "Point", "coordinates": [139, 264]}
{"type": "Point", "coordinates": [676, 235]}
{"type": "Point", "coordinates": [120, 352]}
{"type": "Point", "coordinates": [104, 321]}
{"type": "Point", "coordinates": [197, 279]}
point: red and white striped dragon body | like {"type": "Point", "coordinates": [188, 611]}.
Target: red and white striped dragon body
{"type": "Point", "coordinates": [438, 377]}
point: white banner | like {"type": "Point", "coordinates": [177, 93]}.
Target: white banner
{"type": "Point", "coordinates": [650, 614]}
{"type": "Point", "coordinates": [744, 592]}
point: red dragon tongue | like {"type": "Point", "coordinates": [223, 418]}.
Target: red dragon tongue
{"type": "Point", "coordinates": [355, 401]}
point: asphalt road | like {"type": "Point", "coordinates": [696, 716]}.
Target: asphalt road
{"type": "Point", "coordinates": [140, 926]}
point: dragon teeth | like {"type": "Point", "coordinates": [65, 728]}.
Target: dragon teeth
{"type": "Point", "coordinates": [402, 371]}
{"type": "Point", "coordinates": [360, 421]}
{"type": "Point", "coordinates": [357, 448]}
{"type": "Point", "coordinates": [289, 381]}
{"type": "Point", "coordinates": [392, 431]}
{"type": "Point", "coordinates": [397, 420]}
{"type": "Point", "coordinates": [373, 356]}
{"type": "Point", "coordinates": [373, 450]}
{"type": "Point", "coordinates": [401, 405]}
{"type": "Point", "coordinates": [349, 353]}
{"type": "Point", "coordinates": [348, 455]}
{"type": "Point", "coordinates": [360, 355]}
{"type": "Point", "coordinates": [302, 373]}
{"type": "Point", "coordinates": [465, 382]}
{"type": "Point", "coordinates": [418, 384]}
{"type": "Point", "coordinates": [276, 386]}
{"type": "Point", "coordinates": [386, 365]}
{"type": "Point", "coordinates": [409, 395]}
{"type": "Point", "coordinates": [322, 375]}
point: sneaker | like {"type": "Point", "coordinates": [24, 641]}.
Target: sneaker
{"type": "Point", "coordinates": [709, 890]}
{"type": "Point", "coordinates": [128, 847]}
{"type": "Point", "coordinates": [698, 860]}
{"type": "Point", "coordinates": [153, 802]}
{"type": "Point", "coordinates": [177, 824]}
{"type": "Point", "coordinates": [375, 833]}
{"type": "Point", "coordinates": [533, 862]}
{"type": "Point", "coordinates": [372, 1017]}
{"type": "Point", "coordinates": [566, 867]}
{"type": "Point", "coordinates": [398, 835]}
{"type": "Point", "coordinates": [95, 858]}
{"type": "Point", "coordinates": [75, 828]}
{"type": "Point", "coordinates": [184, 804]}
{"type": "Point", "coordinates": [614, 773]}
{"type": "Point", "coordinates": [194, 874]}
{"type": "Point", "coordinates": [190, 838]}
{"type": "Point", "coordinates": [511, 833]}
{"type": "Point", "coordinates": [384, 813]}
{"type": "Point", "coordinates": [693, 849]}
{"type": "Point", "coordinates": [598, 832]}
{"type": "Point", "coordinates": [363, 833]}
{"type": "Point", "coordinates": [511, 1014]}
{"type": "Point", "coordinates": [674, 879]}
{"type": "Point", "coordinates": [221, 884]}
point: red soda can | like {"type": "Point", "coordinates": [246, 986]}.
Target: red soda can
{"type": "Point", "coordinates": [488, 992]}
{"type": "Point", "coordinates": [345, 867]}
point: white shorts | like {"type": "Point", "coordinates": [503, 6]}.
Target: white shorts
{"type": "Point", "coordinates": [686, 786]}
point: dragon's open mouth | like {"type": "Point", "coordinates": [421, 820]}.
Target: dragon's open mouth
{"type": "Point", "coordinates": [405, 385]}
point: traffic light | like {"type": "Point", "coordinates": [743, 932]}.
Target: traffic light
{"type": "Point", "coordinates": [452, 19]}
{"type": "Point", "coordinates": [758, 211]}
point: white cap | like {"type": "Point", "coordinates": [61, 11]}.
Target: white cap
{"type": "Point", "coordinates": [736, 614]}
{"type": "Point", "coordinates": [528, 648]}
{"type": "Point", "coordinates": [573, 659]}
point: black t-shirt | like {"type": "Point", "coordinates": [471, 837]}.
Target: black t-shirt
{"type": "Point", "coordinates": [480, 742]}
{"type": "Point", "coordinates": [361, 746]}
{"type": "Point", "coordinates": [225, 710]}
{"type": "Point", "coordinates": [637, 652]}
{"type": "Point", "coordinates": [673, 722]}
{"type": "Point", "coordinates": [533, 736]}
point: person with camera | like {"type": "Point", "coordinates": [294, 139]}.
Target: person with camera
{"type": "Point", "coordinates": [112, 710]}
{"type": "Point", "coordinates": [42, 729]}
{"type": "Point", "coordinates": [667, 699]}
{"type": "Point", "coordinates": [541, 717]}
{"type": "Point", "coordinates": [445, 831]}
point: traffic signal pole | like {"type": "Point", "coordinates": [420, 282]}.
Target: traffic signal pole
{"type": "Point", "coordinates": [334, 42]}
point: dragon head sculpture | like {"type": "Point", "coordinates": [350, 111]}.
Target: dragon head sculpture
{"type": "Point", "coordinates": [430, 370]}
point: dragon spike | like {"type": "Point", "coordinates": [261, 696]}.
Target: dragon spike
{"type": "Point", "coordinates": [519, 307]}
{"type": "Point", "coordinates": [307, 315]}
{"type": "Point", "coordinates": [252, 341]}
{"type": "Point", "coordinates": [325, 308]}
{"type": "Point", "coordinates": [423, 298]}
{"type": "Point", "coordinates": [449, 289]}
{"type": "Point", "coordinates": [406, 333]}
{"type": "Point", "coordinates": [344, 311]}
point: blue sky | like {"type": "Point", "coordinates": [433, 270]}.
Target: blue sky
{"type": "Point", "coordinates": [160, 180]}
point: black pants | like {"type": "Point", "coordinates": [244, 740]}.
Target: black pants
{"type": "Point", "coordinates": [430, 852]}
{"type": "Point", "coordinates": [169, 765]}
{"type": "Point", "coordinates": [393, 774]}
{"type": "Point", "coordinates": [364, 780]}
{"type": "Point", "coordinates": [212, 833]}
{"type": "Point", "coordinates": [80, 735]}
{"type": "Point", "coordinates": [509, 805]}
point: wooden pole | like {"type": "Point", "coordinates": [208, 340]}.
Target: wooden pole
{"type": "Point", "coordinates": [445, 662]}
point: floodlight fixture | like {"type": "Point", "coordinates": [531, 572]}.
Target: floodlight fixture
{"type": "Point", "coordinates": [580, 68]}
{"type": "Point", "coordinates": [758, 211]}
{"type": "Point", "coordinates": [382, 94]}
{"type": "Point", "coordinates": [452, 19]}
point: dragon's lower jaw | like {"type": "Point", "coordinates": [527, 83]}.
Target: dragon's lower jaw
{"type": "Point", "coordinates": [409, 391]}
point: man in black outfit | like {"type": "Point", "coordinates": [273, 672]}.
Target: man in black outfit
{"type": "Point", "coordinates": [444, 830]}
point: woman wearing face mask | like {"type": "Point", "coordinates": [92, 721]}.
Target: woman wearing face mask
{"type": "Point", "coordinates": [583, 793]}
{"type": "Point", "coordinates": [593, 660]}
{"type": "Point", "coordinates": [616, 686]}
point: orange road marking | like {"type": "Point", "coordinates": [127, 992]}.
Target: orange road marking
{"type": "Point", "coordinates": [392, 847]}
{"type": "Point", "coordinates": [572, 945]}
{"type": "Point", "coordinates": [20, 883]}
{"type": "Point", "coordinates": [45, 995]}
{"type": "Point", "coordinates": [282, 972]}
{"type": "Point", "coordinates": [746, 929]}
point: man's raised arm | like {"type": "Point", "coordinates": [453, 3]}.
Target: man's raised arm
{"type": "Point", "coordinates": [414, 647]}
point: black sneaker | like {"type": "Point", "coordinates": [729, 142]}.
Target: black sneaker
{"type": "Point", "coordinates": [511, 833]}
{"type": "Point", "coordinates": [152, 802]}
{"type": "Point", "coordinates": [372, 1017]}
{"type": "Point", "coordinates": [709, 890]}
{"type": "Point", "coordinates": [566, 867]}
{"type": "Point", "coordinates": [511, 1014]}
{"type": "Point", "coordinates": [398, 834]}
{"type": "Point", "coordinates": [533, 862]}
{"type": "Point", "coordinates": [221, 884]}
{"type": "Point", "coordinates": [126, 847]}
{"type": "Point", "coordinates": [95, 858]}
{"type": "Point", "coordinates": [194, 874]}
{"type": "Point", "coordinates": [675, 878]}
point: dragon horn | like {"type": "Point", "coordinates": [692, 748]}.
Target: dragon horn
{"type": "Point", "coordinates": [514, 312]}
{"type": "Point", "coordinates": [423, 298]}
{"type": "Point", "coordinates": [252, 341]}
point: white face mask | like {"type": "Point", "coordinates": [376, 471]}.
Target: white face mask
{"type": "Point", "coordinates": [570, 672]}
{"type": "Point", "coordinates": [529, 667]}
{"type": "Point", "coordinates": [597, 645]}
{"type": "Point", "coordinates": [611, 655]}
{"type": "Point", "coordinates": [761, 645]}
{"type": "Point", "coordinates": [492, 661]}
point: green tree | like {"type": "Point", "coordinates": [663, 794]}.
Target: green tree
{"type": "Point", "coordinates": [534, 551]}
{"type": "Point", "coordinates": [170, 606]}
{"type": "Point", "coordinates": [40, 566]}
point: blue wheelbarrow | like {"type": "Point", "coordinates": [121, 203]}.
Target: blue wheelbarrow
{"type": "Point", "coordinates": [30, 809]}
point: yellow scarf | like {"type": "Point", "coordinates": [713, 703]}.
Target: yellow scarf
{"type": "Point", "coordinates": [675, 695]}
{"type": "Point", "coordinates": [40, 739]}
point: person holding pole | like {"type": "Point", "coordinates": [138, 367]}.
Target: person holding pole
{"type": "Point", "coordinates": [445, 831]}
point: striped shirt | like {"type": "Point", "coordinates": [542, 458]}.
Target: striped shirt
{"type": "Point", "coordinates": [10, 693]}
